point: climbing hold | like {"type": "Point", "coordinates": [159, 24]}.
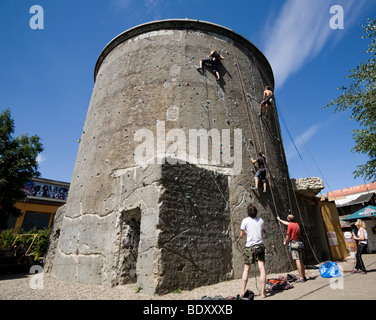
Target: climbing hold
{"type": "Point", "coordinates": [79, 140]}
{"type": "Point", "coordinates": [187, 197]}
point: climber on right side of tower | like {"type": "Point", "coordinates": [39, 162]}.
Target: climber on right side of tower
{"type": "Point", "coordinates": [261, 172]}
{"type": "Point", "coordinates": [267, 100]}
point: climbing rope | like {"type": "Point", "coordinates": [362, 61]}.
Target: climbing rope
{"type": "Point", "coordinates": [257, 144]}
{"type": "Point", "coordinates": [250, 120]}
{"type": "Point", "coordinates": [297, 205]}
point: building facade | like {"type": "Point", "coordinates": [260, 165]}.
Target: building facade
{"type": "Point", "coordinates": [43, 198]}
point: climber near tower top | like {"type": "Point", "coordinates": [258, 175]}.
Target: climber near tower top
{"type": "Point", "coordinates": [267, 100]}
{"type": "Point", "coordinates": [212, 61]}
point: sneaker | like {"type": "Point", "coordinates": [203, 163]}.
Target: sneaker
{"type": "Point", "coordinates": [264, 191]}
{"type": "Point", "coordinates": [260, 114]}
{"type": "Point", "coordinates": [253, 188]}
{"type": "Point", "coordinates": [355, 271]}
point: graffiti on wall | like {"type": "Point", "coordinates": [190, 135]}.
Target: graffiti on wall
{"type": "Point", "coordinates": [46, 190]}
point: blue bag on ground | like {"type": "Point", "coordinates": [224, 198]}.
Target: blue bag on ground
{"type": "Point", "coordinates": [330, 270]}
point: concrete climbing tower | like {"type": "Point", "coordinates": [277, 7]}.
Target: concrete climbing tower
{"type": "Point", "coordinates": [163, 173]}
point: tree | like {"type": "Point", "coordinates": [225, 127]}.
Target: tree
{"type": "Point", "coordinates": [360, 98]}
{"type": "Point", "coordinates": [18, 164]}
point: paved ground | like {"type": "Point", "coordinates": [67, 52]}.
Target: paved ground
{"type": "Point", "coordinates": [350, 287]}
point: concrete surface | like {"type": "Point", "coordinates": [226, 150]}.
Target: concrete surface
{"type": "Point", "coordinates": [150, 104]}
{"type": "Point", "coordinates": [351, 287]}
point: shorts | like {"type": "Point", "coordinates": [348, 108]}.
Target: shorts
{"type": "Point", "coordinates": [261, 174]}
{"type": "Point", "coordinates": [253, 254]}
{"type": "Point", "coordinates": [295, 248]}
{"type": "Point", "coordinates": [211, 64]}
{"type": "Point", "coordinates": [296, 254]}
{"type": "Point", "coordinates": [268, 100]}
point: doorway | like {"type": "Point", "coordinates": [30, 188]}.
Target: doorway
{"type": "Point", "coordinates": [128, 248]}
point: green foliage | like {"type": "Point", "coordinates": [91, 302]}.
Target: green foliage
{"type": "Point", "coordinates": [18, 164]}
{"type": "Point", "coordinates": [39, 247]}
{"type": "Point", "coordinates": [137, 289]}
{"type": "Point", "coordinates": [360, 98]}
{"type": "Point", "coordinates": [7, 238]}
{"type": "Point", "coordinates": [42, 245]}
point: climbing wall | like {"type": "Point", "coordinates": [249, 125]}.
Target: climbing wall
{"type": "Point", "coordinates": [163, 173]}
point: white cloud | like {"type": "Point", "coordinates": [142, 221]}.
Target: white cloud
{"type": "Point", "coordinates": [40, 158]}
{"type": "Point", "coordinates": [152, 8]}
{"type": "Point", "coordinates": [299, 141]}
{"type": "Point", "coordinates": [300, 32]}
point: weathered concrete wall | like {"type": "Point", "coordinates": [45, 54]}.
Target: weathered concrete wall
{"type": "Point", "coordinates": [124, 209]}
{"type": "Point", "coordinates": [309, 187]}
{"type": "Point", "coordinates": [195, 233]}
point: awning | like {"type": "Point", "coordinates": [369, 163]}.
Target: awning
{"type": "Point", "coordinates": [367, 212]}
{"type": "Point", "coordinates": [351, 200]}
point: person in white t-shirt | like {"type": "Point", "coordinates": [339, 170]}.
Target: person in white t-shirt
{"type": "Point", "coordinates": [253, 228]}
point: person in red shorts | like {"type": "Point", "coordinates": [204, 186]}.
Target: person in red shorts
{"type": "Point", "coordinates": [295, 245]}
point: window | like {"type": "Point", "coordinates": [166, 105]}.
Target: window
{"type": "Point", "coordinates": [35, 219]}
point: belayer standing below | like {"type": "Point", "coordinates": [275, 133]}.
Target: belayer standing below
{"type": "Point", "coordinates": [267, 100]}
{"type": "Point", "coordinates": [212, 61]}
{"type": "Point", "coordinates": [261, 172]}
{"type": "Point", "coordinates": [295, 245]}
{"type": "Point", "coordinates": [253, 227]}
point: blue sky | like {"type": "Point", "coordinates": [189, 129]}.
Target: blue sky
{"type": "Point", "coordinates": [46, 75]}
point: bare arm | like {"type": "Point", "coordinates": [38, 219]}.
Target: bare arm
{"type": "Point", "coordinates": [287, 239]}
{"type": "Point", "coordinates": [286, 223]}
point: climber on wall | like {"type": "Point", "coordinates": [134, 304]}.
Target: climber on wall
{"type": "Point", "coordinates": [267, 100]}
{"type": "Point", "coordinates": [261, 172]}
{"type": "Point", "coordinates": [212, 61]}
